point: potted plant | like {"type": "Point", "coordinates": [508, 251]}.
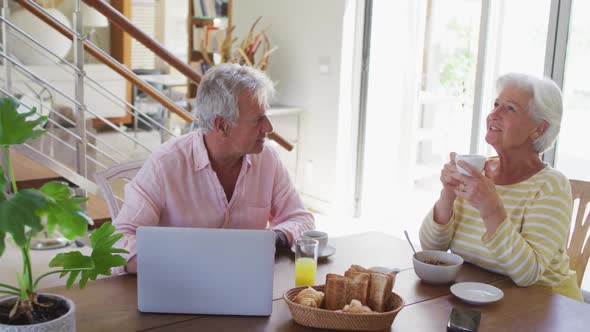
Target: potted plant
{"type": "Point", "coordinates": [25, 212]}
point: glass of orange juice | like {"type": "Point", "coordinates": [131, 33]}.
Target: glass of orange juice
{"type": "Point", "coordinates": [306, 261]}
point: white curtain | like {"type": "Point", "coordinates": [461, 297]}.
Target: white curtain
{"type": "Point", "coordinates": [396, 48]}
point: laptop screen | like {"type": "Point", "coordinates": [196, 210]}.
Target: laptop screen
{"type": "Point", "coordinates": [205, 271]}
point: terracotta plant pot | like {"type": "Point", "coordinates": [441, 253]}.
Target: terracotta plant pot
{"type": "Point", "coordinates": [65, 323]}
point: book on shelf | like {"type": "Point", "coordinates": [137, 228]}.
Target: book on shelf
{"type": "Point", "coordinates": [210, 4]}
{"type": "Point", "coordinates": [197, 9]}
{"type": "Point", "coordinates": [210, 8]}
{"type": "Point", "coordinates": [208, 38]}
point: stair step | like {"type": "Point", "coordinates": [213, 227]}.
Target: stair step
{"type": "Point", "coordinates": [30, 174]}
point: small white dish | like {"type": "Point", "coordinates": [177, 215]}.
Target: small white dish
{"type": "Point", "coordinates": [327, 252]}
{"type": "Point", "coordinates": [477, 293]}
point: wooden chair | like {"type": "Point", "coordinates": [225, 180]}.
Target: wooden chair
{"type": "Point", "coordinates": [578, 251]}
{"type": "Point", "coordinates": [121, 171]}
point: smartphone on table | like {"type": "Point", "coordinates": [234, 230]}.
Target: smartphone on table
{"type": "Point", "coordinates": [462, 320]}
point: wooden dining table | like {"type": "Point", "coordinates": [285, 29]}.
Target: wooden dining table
{"type": "Point", "coordinates": [110, 304]}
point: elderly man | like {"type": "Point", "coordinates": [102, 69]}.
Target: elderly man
{"type": "Point", "coordinates": [222, 175]}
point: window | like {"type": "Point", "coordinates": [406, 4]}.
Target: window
{"type": "Point", "coordinates": [143, 15]}
{"type": "Point", "coordinates": [166, 22]}
{"type": "Point", "coordinates": [430, 87]}
{"type": "Point", "coordinates": [573, 151]}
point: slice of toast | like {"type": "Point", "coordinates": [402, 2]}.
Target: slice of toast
{"type": "Point", "coordinates": [359, 268]}
{"type": "Point", "coordinates": [335, 298]}
{"type": "Point", "coordinates": [356, 285]}
{"type": "Point", "coordinates": [380, 288]}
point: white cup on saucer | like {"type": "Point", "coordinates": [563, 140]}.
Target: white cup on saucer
{"type": "Point", "coordinates": [475, 160]}
{"type": "Point", "coordinates": [321, 237]}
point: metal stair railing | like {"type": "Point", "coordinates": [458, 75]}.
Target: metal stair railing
{"type": "Point", "coordinates": [39, 156]}
{"type": "Point", "coordinates": [71, 99]}
{"type": "Point", "coordinates": [80, 135]}
{"type": "Point", "coordinates": [105, 58]}
{"type": "Point", "coordinates": [106, 93]}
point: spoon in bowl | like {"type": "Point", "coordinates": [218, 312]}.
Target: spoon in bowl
{"type": "Point", "coordinates": [410, 242]}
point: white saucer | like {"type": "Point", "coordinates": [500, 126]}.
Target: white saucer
{"type": "Point", "coordinates": [327, 252]}
{"type": "Point", "coordinates": [477, 293]}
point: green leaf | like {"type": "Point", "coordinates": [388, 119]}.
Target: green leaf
{"type": "Point", "coordinates": [103, 253]}
{"type": "Point", "coordinates": [3, 184]}
{"type": "Point", "coordinates": [19, 211]}
{"type": "Point", "coordinates": [2, 235]}
{"type": "Point", "coordinates": [14, 128]}
{"type": "Point", "coordinates": [2, 199]}
{"type": "Point", "coordinates": [72, 260]}
{"type": "Point", "coordinates": [103, 256]}
{"type": "Point", "coordinates": [64, 210]}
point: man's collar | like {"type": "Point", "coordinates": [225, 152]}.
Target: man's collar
{"type": "Point", "coordinates": [248, 158]}
{"type": "Point", "coordinates": [201, 155]}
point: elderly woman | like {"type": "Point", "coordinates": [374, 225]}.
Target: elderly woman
{"type": "Point", "coordinates": [515, 218]}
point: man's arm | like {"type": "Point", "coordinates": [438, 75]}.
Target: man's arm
{"type": "Point", "coordinates": [288, 215]}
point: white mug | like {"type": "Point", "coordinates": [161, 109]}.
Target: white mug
{"type": "Point", "coordinates": [475, 160]}
{"type": "Point", "coordinates": [321, 237]}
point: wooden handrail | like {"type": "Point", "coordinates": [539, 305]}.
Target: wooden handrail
{"type": "Point", "coordinates": [122, 22]}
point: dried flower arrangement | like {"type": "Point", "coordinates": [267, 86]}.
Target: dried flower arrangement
{"type": "Point", "coordinates": [246, 52]}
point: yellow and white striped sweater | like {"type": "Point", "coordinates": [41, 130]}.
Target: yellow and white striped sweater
{"type": "Point", "coordinates": [529, 246]}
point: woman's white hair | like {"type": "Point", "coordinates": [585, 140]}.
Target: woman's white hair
{"type": "Point", "coordinates": [546, 104]}
{"type": "Point", "coordinates": [220, 89]}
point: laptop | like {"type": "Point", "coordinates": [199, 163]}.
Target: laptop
{"type": "Point", "coordinates": [205, 271]}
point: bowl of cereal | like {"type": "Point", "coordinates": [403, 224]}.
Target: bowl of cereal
{"type": "Point", "coordinates": [437, 267]}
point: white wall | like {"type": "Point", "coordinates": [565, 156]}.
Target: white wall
{"type": "Point", "coordinates": [307, 32]}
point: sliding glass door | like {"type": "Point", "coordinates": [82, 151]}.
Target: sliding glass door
{"type": "Point", "coordinates": [431, 83]}
{"type": "Point", "coordinates": [573, 146]}
{"type": "Point", "coordinates": [509, 46]}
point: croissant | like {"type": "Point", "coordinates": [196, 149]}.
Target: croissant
{"type": "Point", "coordinates": [310, 297]}
{"type": "Point", "coordinates": [356, 307]}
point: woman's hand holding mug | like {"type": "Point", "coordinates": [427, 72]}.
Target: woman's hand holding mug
{"type": "Point", "coordinates": [480, 191]}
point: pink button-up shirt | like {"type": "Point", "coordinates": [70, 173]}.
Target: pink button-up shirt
{"type": "Point", "coordinates": [177, 187]}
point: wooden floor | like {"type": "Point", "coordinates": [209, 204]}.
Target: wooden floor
{"type": "Point", "coordinates": [30, 174]}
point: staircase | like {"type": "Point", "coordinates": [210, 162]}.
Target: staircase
{"type": "Point", "coordinates": [30, 174]}
{"type": "Point", "coordinates": [72, 150]}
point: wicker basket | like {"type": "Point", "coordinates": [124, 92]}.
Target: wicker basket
{"type": "Point", "coordinates": [328, 319]}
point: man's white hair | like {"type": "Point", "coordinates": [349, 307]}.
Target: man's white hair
{"type": "Point", "coordinates": [220, 89]}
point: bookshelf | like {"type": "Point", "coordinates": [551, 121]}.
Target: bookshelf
{"type": "Point", "coordinates": [208, 20]}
